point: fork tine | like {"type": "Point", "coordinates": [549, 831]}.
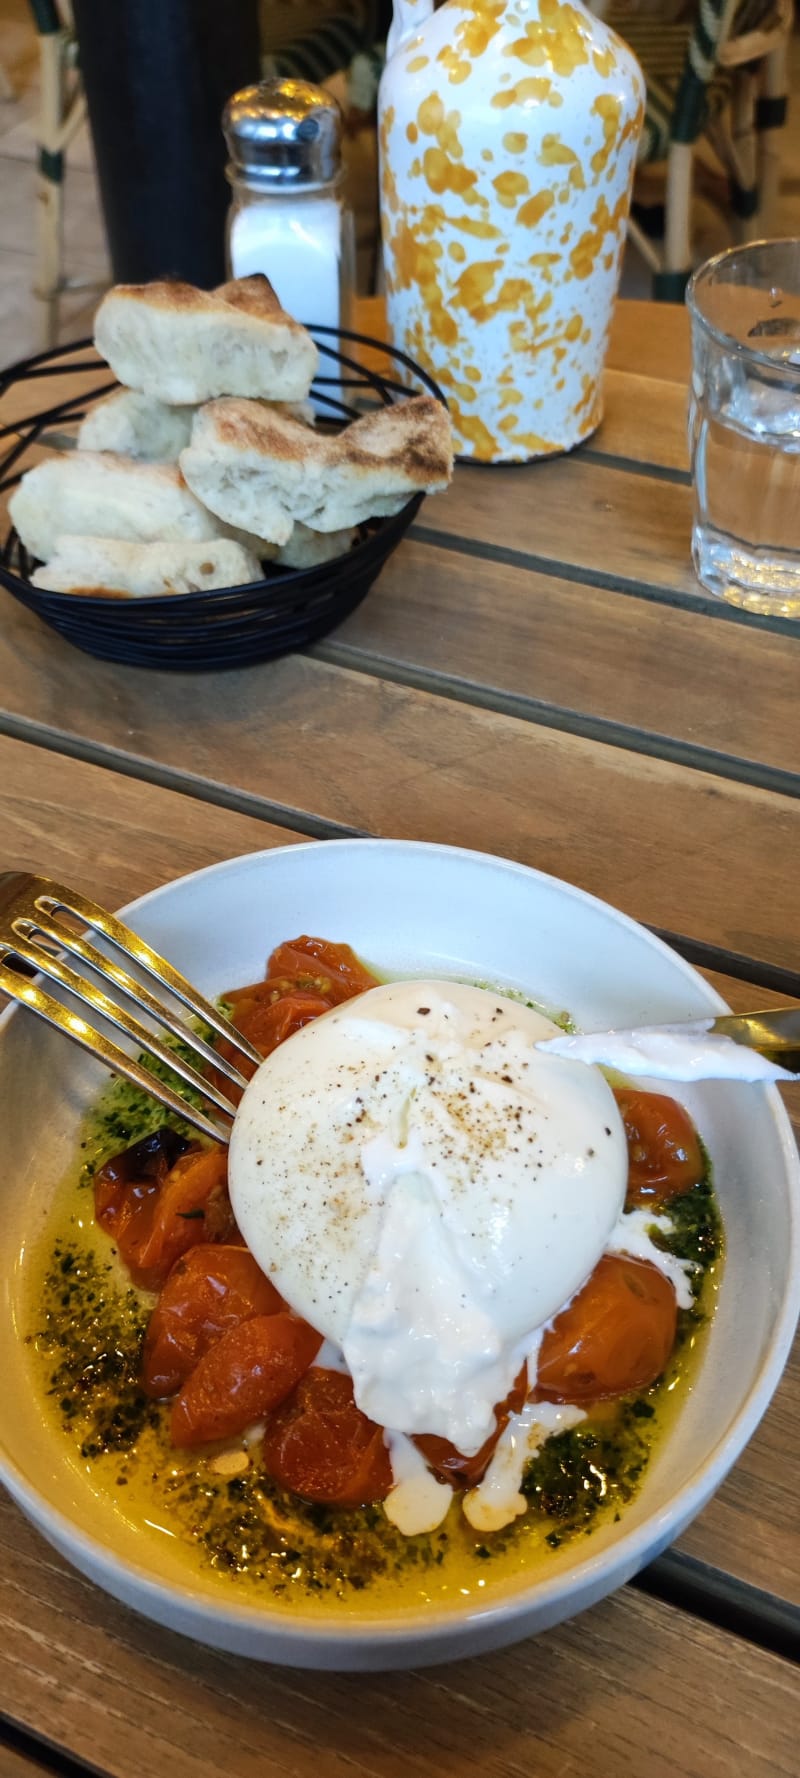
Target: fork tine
{"type": "Point", "coordinates": [34, 997]}
{"type": "Point", "coordinates": [108, 970]}
{"type": "Point", "coordinates": [50, 896]}
{"type": "Point", "coordinates": [44, 963]}
{"type": "Point", "coordinates": [30, 907]}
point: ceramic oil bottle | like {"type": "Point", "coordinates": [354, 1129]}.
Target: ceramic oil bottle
{"type": "Point", "coordinates": [508, 135]}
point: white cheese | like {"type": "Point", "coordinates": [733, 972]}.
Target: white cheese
{"type": "Point", "coordinates": [680, 1052]}
{"type": "Point", "coordinates": [427, 1189]}
{"type": "Point", "coordinates": [417, 1501]}
{"type": "Point", "coordinates": [497, 1499]}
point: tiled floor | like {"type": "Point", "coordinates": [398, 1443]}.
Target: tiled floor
{"type": "Point", "coordinates": [85, 247]}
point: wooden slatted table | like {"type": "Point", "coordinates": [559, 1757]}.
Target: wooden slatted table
{"type": "Point", "coordinates": [536, 674]}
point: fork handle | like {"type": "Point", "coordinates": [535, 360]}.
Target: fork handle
{"type": "Point", "coordinates": [774, 1033]}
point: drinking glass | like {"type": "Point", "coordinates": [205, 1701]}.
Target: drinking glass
{"type": "Point", "coordinates": [744, 425]}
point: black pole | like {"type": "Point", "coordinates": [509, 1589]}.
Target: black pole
{"type": "Point", "coordinates": [157, 74]}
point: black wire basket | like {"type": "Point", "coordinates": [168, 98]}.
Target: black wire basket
{"type": "Point", "coordinates": [196, 632]}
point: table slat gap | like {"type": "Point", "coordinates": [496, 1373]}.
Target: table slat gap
{"type": "Point", "coordinates": [240, 802]}
{"type": "Point", "coordinates": [704, 955]}
{"type": "Point", "coordinates": [584, 575]}
{"type": "Point", "coordinates": [331, 743]}
{"type": "Point", "coordinates": [762, 1619]}
{"type": "Point", "coordinates": [24, 1754]}
{"type": "Point", "coordinates": [701, 952]}
{"type": "Point", "coordinates": [649, 742]}
{"type": "Point", "coordinates": [158, 1704]}
{"type": "Point", "coordinates": [659, 472]}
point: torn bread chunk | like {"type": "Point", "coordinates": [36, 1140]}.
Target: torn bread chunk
{"type": "Point", "coordinates": [311, 549]}
{"type": "Point", "coordinates": [184, 345]}
{"type": "Point", "coordinates": [98, 565]}
{"type": "Point", "coordinates": [100, 494]}
{"type": "Point", "coordinates": [259, 469]}
{"type": "Point", "coordinates": [255, 546]}
{"type": "Point", "coordinates": [136, 425]}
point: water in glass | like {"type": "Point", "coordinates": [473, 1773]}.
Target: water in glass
{"type": "Point", "coordinates": [745, 440]}
{"type": "Point", "coordinates": [744, 433]}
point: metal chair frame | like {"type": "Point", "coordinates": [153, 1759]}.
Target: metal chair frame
{"type": "Point", "coordinates": [62, 111]}
{"type": "Point", "coordinates": [746, 138]}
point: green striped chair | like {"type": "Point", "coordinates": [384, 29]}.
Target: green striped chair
{"type": "Point", "coordinates": [340, 48]}
{"type": "Point", "coordinates": [314, 50]}
{"type": "Point", "coordinates": [719, 76]}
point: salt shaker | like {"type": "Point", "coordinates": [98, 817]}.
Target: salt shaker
{"type": "Point", "coordinates": [288, 216]}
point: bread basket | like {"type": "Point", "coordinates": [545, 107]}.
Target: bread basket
{"type": "Point", "coordinates": [201, 631]}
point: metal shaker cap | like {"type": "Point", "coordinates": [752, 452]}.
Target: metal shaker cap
{"type": "Point", "coordinates": [283, 135]}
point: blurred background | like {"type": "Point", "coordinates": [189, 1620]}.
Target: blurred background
{"type": "Point", "coordinates": [156, 73]}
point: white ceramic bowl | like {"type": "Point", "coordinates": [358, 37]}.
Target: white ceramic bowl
{"type": "Point", "coordinates": [433, 910]}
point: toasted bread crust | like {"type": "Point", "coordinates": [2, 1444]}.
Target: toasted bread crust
{"type": "Point", "coordinates": [255, 296]}
{"type": "Point", "coordinates": [185, 346]}
{"type": "Point", "coordinates": [261, 470]}
{"type": "Point", "coordinates": [412, 437]}
{"type": "Point", "coordinates": [163, 293]}
{"type": "Point", "coordinates": [250, 296]}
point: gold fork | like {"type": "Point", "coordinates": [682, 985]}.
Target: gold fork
{"type": "Point", "coordinates": [38, 933]}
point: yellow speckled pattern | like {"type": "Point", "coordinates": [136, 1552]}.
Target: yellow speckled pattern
{"type": "Point", "coordinates": [508, 132]}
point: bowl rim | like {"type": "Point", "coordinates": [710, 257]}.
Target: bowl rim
{"type": "Point", "coordinates": [623, 1555]}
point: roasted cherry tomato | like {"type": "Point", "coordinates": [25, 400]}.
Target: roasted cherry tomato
{"type": "Point", "coordinates": [465, 1472]}
{"type": "Point", "coordinates": [149, 1159]}
{"type": "Point", "coordinates": [208, 1290]}
{"type": "Point", "coordinates": [664, 1153]}
{"type": "Point", "coordinates": [329, 969]}
{"type": "Point", "coordinates": [321, 1446]}
{"type": "Point", "coordinates": [156, 1217]}
{"type": "Point", "coordinates": [248, 1371]}
{"type": "Point", "coordinates": [266, 1023]}
{"type": "Point", "coordinates": [304, 978]}
{"type": "Point", "coordinates": [306, 965]}
{"type": "Point", "coordinates": [616, 1335]}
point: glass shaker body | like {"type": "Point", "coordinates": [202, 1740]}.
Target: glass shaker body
{"type": "Point", "coordinates": [303, 240]}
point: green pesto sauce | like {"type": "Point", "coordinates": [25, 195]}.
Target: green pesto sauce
{"type": "Point", "coordinates": [556, 1015]}
{"type": "Point", "coordinates": [87, 1330]}
{"type": "Point", "coordinates": [696, 1231]}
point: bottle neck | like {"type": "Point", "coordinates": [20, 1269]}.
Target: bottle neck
{"type": "Point", "coordinates": [407, 17]}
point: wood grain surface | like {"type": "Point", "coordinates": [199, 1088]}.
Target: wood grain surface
{"type": "Point", "coordinates": [538, 675]}
{"type": "Point", "coordinates": [613, 525]}
{"type": "Point", "coordinates": [111, 837]}
{"type": "Point", "coordinates": [661, 841]}
{"type": "Point", "coordinates": [633, 1686]}
{"type": "Point", "coordinates": [644, 423]}
{"type": "Point", "coordinates": [544, 647]}
{"type": "Point", "coordinates": [651, 340]}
